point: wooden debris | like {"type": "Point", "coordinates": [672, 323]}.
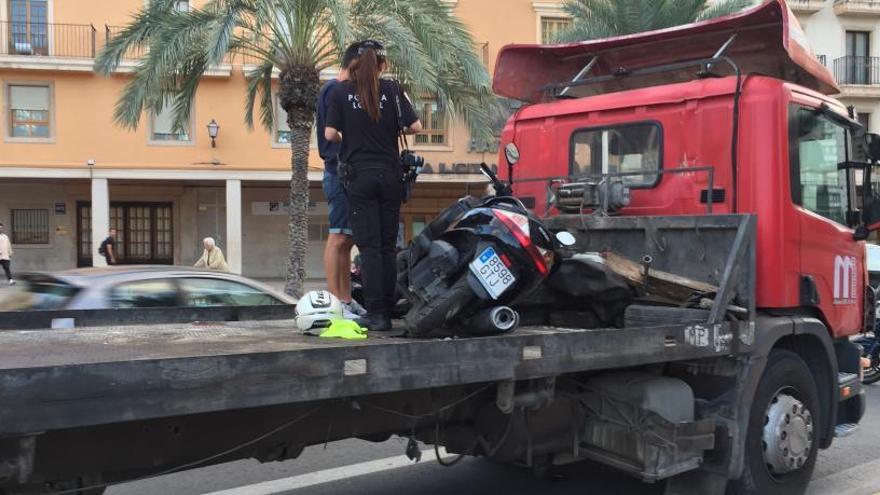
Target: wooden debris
{"type": "Point", "coordinates": [660, 283]}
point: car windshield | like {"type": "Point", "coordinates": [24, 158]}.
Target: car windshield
{"type": "Point", "coordinates": [31, 295]}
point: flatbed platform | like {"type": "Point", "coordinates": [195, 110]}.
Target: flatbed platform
{"type": "Point", "coordinates": [57, 379]}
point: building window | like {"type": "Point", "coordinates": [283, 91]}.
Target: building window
{"type": "Point", "coordinates": [162, 125]}
{"type": "Point", "coordinates": [629, 149]}
{"type": "Point", "coordinates": [29, 111]}
{"type": "Point", "coordinates": [859, 65]}
{"type": "Point", "coordinates": [28, 30]}
{"type": "Point", "coordinates": [30, 226]}
{"type": "Point", "coordinates": [282, 130]}
{"type": "Point", "coordinates": [552, 26]}
{"type": "Point", "coordinates": [434, 131]}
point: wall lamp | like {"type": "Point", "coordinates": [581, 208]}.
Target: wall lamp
{"type": "Point", "coordinates": [213, 130]}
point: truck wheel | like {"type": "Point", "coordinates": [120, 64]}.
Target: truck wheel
{"type": "Point", "coordinates": [781, 444]}
{"type": "Point", "coordinates": [422, 319]}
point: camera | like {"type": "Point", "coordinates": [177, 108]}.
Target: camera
{"type": "Point", "coordinates": [411, 162]}
{"type": "Point", "coordinates": [411, 166]}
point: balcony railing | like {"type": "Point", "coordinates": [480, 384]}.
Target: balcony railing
{"type": "Point", "coordinates": [857, 7]}
{"type": "Point", "coordinates": [857, 70]}
{"type": "Point", "coordinates": [111, 32]}
{"type": "Point", "coordinates": [44, 39]}
{"type": "Point", "coordinates": [806, 6]}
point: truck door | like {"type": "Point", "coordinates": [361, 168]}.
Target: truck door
{"type": "Point", "coordinates": [831, 261]}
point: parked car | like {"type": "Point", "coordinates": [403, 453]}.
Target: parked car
{"type": "Point", "coordinates": [137, 287]}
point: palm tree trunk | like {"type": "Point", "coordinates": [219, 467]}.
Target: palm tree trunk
{"type": "Point", "coordinates": [298, 91]}
{"type": "Point", "coordinates": [298, 225]}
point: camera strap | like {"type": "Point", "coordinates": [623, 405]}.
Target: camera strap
{"type": "Point", "coordinates": [398, 112]}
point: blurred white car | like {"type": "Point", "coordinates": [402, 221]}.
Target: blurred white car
{"type": "Point", "coordinates": [137, 286]}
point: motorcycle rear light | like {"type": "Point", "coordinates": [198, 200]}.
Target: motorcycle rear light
{"type": "Point", "coordinates": [524, 240]}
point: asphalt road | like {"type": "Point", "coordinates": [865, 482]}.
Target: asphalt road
{"type": "Point", "coordinates": [850, 467]}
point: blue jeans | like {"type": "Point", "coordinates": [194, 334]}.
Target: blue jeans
{"type": "Point", "coordinates": [337, 203]}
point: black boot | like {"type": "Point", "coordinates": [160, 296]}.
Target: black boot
{"type": "Point", "coordinates": [374, 322]}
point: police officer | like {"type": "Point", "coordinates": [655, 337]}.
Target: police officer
{"type": "Point", "coordinates": [366, 114]}
{"type": "Point", "coordinates": [337, 252]}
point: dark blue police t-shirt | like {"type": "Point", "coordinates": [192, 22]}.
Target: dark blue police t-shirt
{"type": "Point", "coordinates": [363, 140]}
{"type": "Point", "coordinates": [328, 151]}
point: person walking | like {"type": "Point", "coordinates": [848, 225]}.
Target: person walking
{"type": "Point", "coordinates": [366, 115]}
{"type": "Point", "coordinates": [212, 257]}
{"type": "Point", "coordinates": [108, 248]}
{"type": "Point", "coordinates": [6, 254]}
{"type": "Point", "coordinates": [337, 251]}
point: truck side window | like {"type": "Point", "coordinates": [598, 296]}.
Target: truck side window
{"type": "Point", "coordinates": [622, 149]}
{"type": "Point", "coordinates": [816, 146]}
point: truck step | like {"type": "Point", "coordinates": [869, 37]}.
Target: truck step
{"type": "Point", "coordinates": [845, 430]}
{"type": "Point", "coordinates": [847, 378]}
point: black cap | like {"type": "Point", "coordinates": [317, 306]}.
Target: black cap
{"type": "Point", "coordinates": [375, 45]}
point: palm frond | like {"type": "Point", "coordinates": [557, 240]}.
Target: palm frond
{"type": "Point", "coordinates": [725, 7]}
{"type": "Point", "coordinates": [594, 19]}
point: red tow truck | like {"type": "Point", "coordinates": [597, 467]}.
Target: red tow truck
{"type": "Point", "coordinates": [709, 152]}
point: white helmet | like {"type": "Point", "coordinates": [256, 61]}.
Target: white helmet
{"type": "Point", "coordinates": [315, 309]}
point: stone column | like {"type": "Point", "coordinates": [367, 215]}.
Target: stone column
{"type": "Point", "coordinates": [233, 225]}
{"type": "Point", "coordinates": [100, 218]}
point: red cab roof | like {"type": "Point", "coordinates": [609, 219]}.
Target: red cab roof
{"type": "Point", "coordinates": [768, 41]}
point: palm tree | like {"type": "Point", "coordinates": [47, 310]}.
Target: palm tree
{"type": "Point", "coordinates": [430, 51]}
{"type": "Point", "coordinates": [595, 19]}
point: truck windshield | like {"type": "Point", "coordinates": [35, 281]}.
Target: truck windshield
{"type": "Point", "coordinates": [623, 149]}
{"type": "Point", "coordinates": [817, 146]}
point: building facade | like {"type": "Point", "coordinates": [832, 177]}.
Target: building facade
{"type": "Point", "coordinates": [845, 35]}
{"type": "Point", "coordinates": [68, 174]}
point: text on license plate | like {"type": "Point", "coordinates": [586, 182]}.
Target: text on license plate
{"type": "Point", "coordinates": [492, 272]}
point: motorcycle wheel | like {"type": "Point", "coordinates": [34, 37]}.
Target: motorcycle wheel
{"type": "Point", "coordinates": [423, 319]}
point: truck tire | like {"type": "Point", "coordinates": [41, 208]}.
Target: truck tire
{"type": "Point", "coordinates": [781, 444]}
{"type": "Point", "coordinates": [642, 315]}
{"type": "Point", "coordinates": [422, 319]}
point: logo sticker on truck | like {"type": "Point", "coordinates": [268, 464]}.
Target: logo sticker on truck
{"type": "Point", "coordinates": [845, 280]}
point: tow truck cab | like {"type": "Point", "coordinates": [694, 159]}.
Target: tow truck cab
{"type": "Point", "coordinates": [728, 116]}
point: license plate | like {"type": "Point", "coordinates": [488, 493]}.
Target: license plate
{"type": "Point", "coordinates": [492, 273]}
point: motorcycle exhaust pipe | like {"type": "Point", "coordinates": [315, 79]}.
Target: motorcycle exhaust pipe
{"type": "Point", "coordinates": [493, 321]}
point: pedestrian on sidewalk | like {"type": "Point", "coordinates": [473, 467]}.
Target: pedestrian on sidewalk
{"type": "Point", "coordinates": [337, 251]}
{"type": "Point", "coordinates": [363, 115]}
{"type": "Point", "coordinates": [212, 257]}
{"type": "Point", "coordinates": [107, 249]}
{"type": "Point", "coordinates": [6, 255]}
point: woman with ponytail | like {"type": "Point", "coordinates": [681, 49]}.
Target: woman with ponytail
{"type": "Point", "coordinates": [366, 114]}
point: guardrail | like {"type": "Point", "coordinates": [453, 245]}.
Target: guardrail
{"type": "Point", "coordinates": [45, 39]}
{"type": "Point", "coordinates": [61, 318]}
{"type": "Point", "coordinates": [857, 70]}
